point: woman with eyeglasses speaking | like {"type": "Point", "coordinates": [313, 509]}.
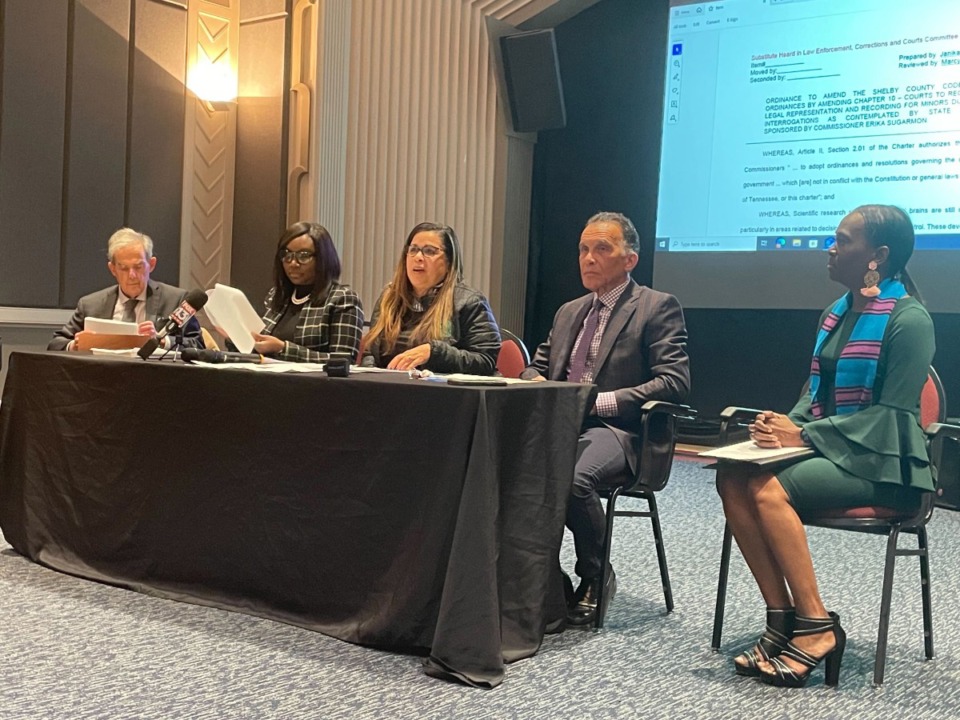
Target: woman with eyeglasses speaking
{"type": "Point", "coordinates": [309, 315]}
{"type": "Point", "coordinates": [427, 318]}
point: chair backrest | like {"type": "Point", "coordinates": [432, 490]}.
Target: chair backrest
{"type": "Point", "coordinates": [208, 342]}
{"type": "Point", "coordinates": [513, 357]}
{"type": "Point", "coordinates": [364, 330]}
{"type": "Point", "coordinates": [933, 404]}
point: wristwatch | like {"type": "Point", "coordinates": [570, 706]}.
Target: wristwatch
{"type": "Point", "coordinates": [805, 438]}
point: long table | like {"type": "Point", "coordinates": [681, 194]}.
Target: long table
{"type": "Point", "coordinates": [381, 510]}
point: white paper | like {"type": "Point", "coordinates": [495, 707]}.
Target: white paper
{"type": "Point", "coordinates": [232, 315]}
{"type": "Point", "coordinates": [749, 451]}
{"type": "Point", "coordinates": [109, 327]}
{"type": "Point", "coordinates": [270, 365]}
{"type": "Point", "coordinates": [125, 352]}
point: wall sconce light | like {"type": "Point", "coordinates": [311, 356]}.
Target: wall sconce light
{"type": "Point", "coordinates": [214, 83]}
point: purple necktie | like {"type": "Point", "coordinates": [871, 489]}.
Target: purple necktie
{"type": "Point", "coordinates": [578, 363]}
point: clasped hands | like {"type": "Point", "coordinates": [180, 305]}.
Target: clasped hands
{"type": "Point", "coordinates": [773, 430]}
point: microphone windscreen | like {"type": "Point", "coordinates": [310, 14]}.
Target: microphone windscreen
{"type": "Point", "coordinates": [189, 354]}
{"type": "Point", "coordinates": [196, 299]}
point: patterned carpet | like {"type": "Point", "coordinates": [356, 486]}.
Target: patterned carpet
{"type": "Point", "coordinates": [77, 649]}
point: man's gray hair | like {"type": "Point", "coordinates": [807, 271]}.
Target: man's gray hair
{"type": "Point", "coordinates": [630, 237]}
{"type": "Point", "coordinates": [125, 237]}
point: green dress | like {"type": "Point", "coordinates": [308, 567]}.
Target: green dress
{"type": "Point", "coordinates": [878, 455]}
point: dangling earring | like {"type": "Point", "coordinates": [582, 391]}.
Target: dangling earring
{"type": "Point", "coordinates": [870, 280]}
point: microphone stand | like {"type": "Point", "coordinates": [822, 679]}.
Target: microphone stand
{"type": "Point", "coordinates": [176, 345]}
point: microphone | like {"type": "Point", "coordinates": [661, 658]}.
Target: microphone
{"type": "Point", "coordinates": [194, 300]}
{"type": "Point", "coordinates": [216, 357]}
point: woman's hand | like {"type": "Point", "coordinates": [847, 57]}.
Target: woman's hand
{"type": "Point", "coordinates": [412, 358]}
{"type": "Point", "coordinates": [773, 430]}
{"type": "Point", "coordinates": [267, 344]}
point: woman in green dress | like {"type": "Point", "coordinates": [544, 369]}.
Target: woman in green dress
{"type": "Point", "coordinates": [862, 417]}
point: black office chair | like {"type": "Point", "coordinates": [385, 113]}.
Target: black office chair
{"type": "Point", "coordinates": [875, 520]}
{"type": "Point", "coordinates": [658, 441]}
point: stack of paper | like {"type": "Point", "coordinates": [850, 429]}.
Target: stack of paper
{"type": "Point", "coordinates": [233, 316]}
{"type": "Point", "coordinates": [109, 327]}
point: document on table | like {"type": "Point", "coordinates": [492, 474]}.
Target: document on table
{"type": "Point", "coordinates": [750, 452]}
{"type": "Point", "coordinates": [267, 365]}
{"type": "Point", "coordinates": [360, 369]}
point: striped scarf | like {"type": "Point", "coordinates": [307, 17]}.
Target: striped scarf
{"type": "Point", "coordinates": [857, 364]}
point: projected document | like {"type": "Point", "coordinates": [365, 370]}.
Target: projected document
{"type": "Point", "coordinates": [781, 117]}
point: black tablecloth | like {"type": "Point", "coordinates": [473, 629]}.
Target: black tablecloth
{"type": "Point", "coordinates": [380, 510]}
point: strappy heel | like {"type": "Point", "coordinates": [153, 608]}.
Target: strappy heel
{"type": "Point", "coordinates": [785, 676]}
{"type": "Point", "coordinates": [774, 641]}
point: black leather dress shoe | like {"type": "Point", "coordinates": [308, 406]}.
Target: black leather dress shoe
{"type": "Point", "coordinates": [584, 612]}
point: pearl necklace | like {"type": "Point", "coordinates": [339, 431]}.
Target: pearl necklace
{"type": "Point", "coordinates": [299, 301]}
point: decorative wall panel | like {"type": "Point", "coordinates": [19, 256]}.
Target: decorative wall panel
{"type": "Point", "coordinates": [213, 30]}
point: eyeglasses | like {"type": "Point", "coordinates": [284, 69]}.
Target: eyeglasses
{"type": "Point", "coordinates": [428, 251]}
{"type": "Point", "coordinates": [137, 268]}
{"type": "Point", "coordinates": [301, 256]}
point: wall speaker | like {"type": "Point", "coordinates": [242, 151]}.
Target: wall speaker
{"type": "Point", "coordinates": [534, 89]}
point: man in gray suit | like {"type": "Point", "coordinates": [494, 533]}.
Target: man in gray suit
{"type": "Point", "coordinates": [630, 341]}
{"type": "Point", "coordinates": [135, 298]}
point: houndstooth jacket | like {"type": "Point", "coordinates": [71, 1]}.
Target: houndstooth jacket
{"type": "Point", "coordinates": [329, 324]}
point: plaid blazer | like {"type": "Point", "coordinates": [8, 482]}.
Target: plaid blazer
{"type": "Point", "coordinates": [329, 324]}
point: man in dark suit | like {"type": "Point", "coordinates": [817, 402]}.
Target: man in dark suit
{"type": "Point", "coordinates": [630, 341]}
{"type": "Point", "coordinates": [135, 298]}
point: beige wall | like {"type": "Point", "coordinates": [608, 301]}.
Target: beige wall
{"type": "Point", "coordinates": [407, 125]}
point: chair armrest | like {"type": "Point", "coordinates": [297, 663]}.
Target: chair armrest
{"type": "Point", "coordinates": [681, 412]}
{"type": "Point", "coordinates": [936, 434]}
{"type": "Point", "coordinates": [734, 415]}
{"type": "Point", "coordinates": [938, 430]}
{"type": "Point", "coordinates": [673, 411]}
{"type": "Point", "coordinates": [658, 420]}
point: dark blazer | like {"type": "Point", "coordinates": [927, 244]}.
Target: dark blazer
{"type": "Point", "coordinates": [162, 299]}
{"type": "Point", "coordinates": [472, 345]}
{"type": "Point", "coordinates": [329, 324]}
{"type": "Point", "coordinates": [642, 356]}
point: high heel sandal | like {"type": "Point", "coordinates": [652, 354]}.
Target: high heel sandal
{"type": "Point", "coordinates": [774, 641]}
{"type": "Point", "coordinates": [785, 676]}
